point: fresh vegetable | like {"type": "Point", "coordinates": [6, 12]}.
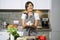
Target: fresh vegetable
{"type": "Point", "coordinates": [12, 30]}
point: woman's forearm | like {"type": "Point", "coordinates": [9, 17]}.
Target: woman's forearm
{"type": "Point", "coordinates": [36, 23]}
{"type": "Point", "coordinates": [23, 23]}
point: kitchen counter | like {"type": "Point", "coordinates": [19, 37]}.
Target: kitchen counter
{"type": "Point", "coordinates": [40, 31]}
{"type": "Point", "coordinates": [39, 28]}
{"type": "Point", "coordinates": [26, 37]}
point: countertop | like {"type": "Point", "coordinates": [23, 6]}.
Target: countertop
{"type": "Point", "coordinates": [39, 28]}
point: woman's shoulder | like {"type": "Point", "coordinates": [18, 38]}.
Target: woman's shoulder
{"type": "Point", "coordinates": [23, 15]}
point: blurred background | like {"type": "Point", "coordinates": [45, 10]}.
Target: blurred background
{"type": "Point", "coordinates": [12, 10]}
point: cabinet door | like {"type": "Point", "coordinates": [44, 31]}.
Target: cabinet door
{"type": "Point", "coordinates": [4, 35]}
{"type": "Point", "coordinates": [43, 4]}
{"type": "Point", "coordinates": [38, 4]}
{"type": "Point", "coordinates": [20, 4]}
{"type": "Point", "coordinates": [10, 4]}
{"type": "Point", "coordinates": [55, 35]}
{"type": "Point", "coordinates": [13, 4]}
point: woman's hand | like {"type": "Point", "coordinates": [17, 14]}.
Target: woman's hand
{"type": "Point", "coordinates": [31, 24]}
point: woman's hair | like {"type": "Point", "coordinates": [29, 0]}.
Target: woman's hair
{"type": "Point", "coordinates": [27, 3]}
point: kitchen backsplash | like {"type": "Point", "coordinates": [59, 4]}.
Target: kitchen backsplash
{"type": "Point", "coordinates": [10, 16]}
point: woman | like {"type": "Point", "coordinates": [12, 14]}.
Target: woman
{"type": "Point", "coordinates": [29, 19]}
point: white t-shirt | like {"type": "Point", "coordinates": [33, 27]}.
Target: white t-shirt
{"type": "Point", "coordinates": [35, 15]}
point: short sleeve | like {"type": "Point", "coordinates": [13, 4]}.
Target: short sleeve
{"type": "Point", "coordinates": [36, 16]}
{"type": "Point", "coordinates": [23, 16]}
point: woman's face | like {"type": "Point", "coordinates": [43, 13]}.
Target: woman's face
{"type": "Point", "coordinates": [30, 7]}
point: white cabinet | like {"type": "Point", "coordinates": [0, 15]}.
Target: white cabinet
{"type": "Point", "coordinates": [10, 4]}
{"type": "Point", "coordinates": [43, 4]}
{"type": "Point", "coordinates": [4, 35]}
{"type": "Point", "coordinates": [38, 4]}
{"type": "Point", "coordinates": [20, 4]}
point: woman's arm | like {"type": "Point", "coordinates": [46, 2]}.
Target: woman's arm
{"type": "Point", "coordinates": [23, 17]}
{"type": "Point", "coordinates": [36, 23]}
{"type": "Point", "coordinates": [36, 19]}
{"type": "Point", "coordinates": [23, 20]}
{"type": "Point", "coordinates": [23, 23]}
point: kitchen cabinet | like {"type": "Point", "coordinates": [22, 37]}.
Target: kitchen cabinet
{"type": "Point", "coordinates": [10, 4]}
{"type": "Point", "coordinates": [43, 4]}
{"type": "Point", "coordinates": [55, 35]}
{"type": "Point", "coordinates": [38, 4]}
{"type": "Point", "coordinates": [20, 4]}
{"type": "Point", "coordinates": [4, 35]}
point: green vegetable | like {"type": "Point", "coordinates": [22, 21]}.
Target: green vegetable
{"type": "Point", "coordinates": [13, 31]}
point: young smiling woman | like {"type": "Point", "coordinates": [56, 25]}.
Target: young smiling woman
{"type": "Point", "coordinates": [30, 19]}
